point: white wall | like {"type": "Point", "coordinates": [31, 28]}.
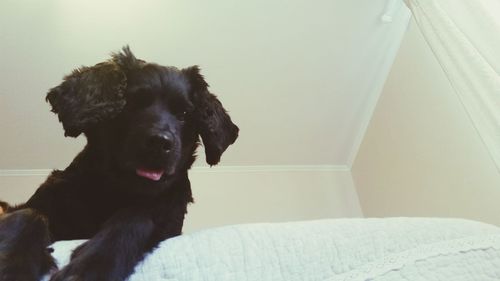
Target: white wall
{"type": "Point", "coordinates": [421, 155]}
{"type": "Point", "coordinates": [296, 77]}
{"type": "Point", "coordinates": [270, 194]}
{"type": "Point", "coordinates": [231, 195]}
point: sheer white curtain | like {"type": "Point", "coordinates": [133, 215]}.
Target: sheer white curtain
{"type": "Point", "coordinates": [465, 38]}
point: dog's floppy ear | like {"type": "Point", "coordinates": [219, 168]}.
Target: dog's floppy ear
{"type": "Point", "coordinates": [214, 124]}
{"type": "Point", "coordinates": [87, 96]}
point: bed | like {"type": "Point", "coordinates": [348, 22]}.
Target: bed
{"type": "Point", "coordinates": [325, 250]}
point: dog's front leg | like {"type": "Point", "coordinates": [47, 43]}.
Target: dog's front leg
{"type": "Point", "coordinates": [113, 252]}
{"type": "Point", "coordinates": [24, 238]}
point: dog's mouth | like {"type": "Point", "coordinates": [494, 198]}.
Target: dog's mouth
{"type": "Point", "coordinates": [154, 175]}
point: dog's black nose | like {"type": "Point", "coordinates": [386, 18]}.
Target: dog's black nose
{"type": "Point", "coordinates": [161, 143]}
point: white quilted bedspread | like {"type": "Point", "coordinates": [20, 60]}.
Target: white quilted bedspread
{"type": "Point", "coordinates": [326, 250]}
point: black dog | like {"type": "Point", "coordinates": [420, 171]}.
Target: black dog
{"type": "Point", "coordinates": [129, 188]}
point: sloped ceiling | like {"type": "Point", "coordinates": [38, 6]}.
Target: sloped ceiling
{"type": "Point", "coordinates": [300, 78]}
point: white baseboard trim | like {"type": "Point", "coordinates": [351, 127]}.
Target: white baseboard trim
{"type": "Point", "coordinates": [272, 168]}
{"type": "Point", "coordinates": [206, 169]}
{"type": "Point", "coordinates": [24, 172]}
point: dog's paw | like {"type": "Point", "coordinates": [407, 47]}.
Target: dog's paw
{"type": "Point", "coordinates": [62, 277]}
{"type": "Point", "coordinates": [86, 269]}
{"type": "Point", "coordinates": [73, 272]}
{"type": "Point", "coordinates": [65, 275]}
{"type": "Point", "coordinates": [31, 267]}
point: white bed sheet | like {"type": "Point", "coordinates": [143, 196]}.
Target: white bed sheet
{"type": "Point", "coordinates": [326, 250]}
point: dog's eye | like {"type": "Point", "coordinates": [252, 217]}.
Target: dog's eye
{"type": "Point", "coordinates": [181, 116]}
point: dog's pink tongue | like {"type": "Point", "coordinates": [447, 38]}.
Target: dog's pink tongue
{"type": "Point", "coordinates": [149, 174]}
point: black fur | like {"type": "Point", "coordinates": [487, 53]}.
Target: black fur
{"type": "Point", "coordinates": [129, 188]}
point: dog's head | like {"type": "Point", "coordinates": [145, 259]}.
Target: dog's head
{"type": "Point", "coordinates": [145, 117]}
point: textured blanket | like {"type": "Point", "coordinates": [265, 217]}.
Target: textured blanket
{"type": "Point", "coordinates": [326, 250]}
